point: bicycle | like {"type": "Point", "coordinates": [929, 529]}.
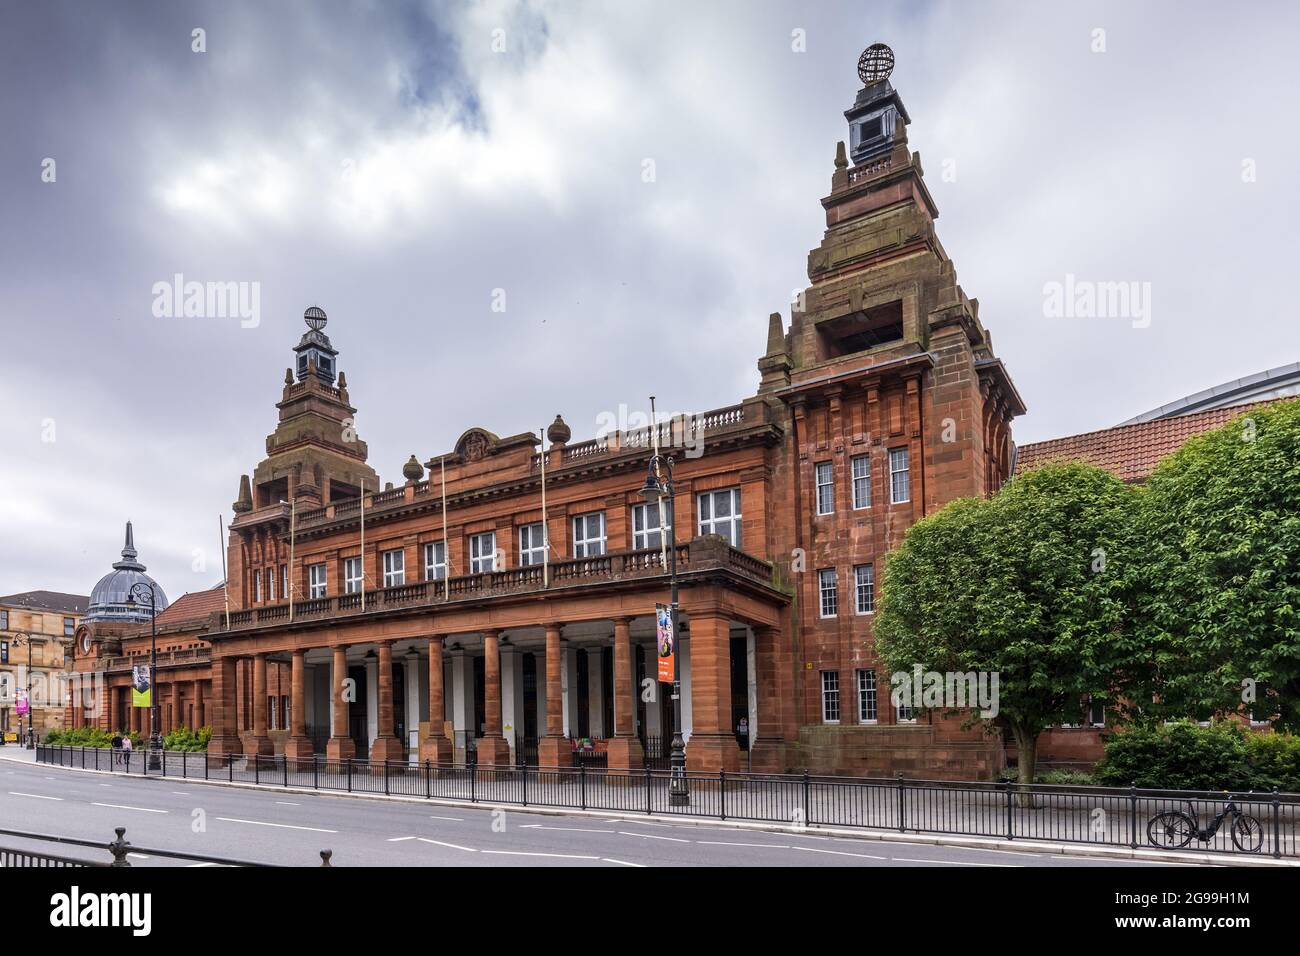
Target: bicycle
{"type": "Point", "coordinates": [1174, 829]}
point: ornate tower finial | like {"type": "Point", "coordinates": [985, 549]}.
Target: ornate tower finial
{"type": "Point", "coordinates": [875, 64]}
{"type": "Point", "coordinates": [877, 114]}
{"type": "Point", "coordinates": [129, 555]}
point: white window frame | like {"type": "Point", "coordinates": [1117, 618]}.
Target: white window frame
{"type": "Point", "coordinates": [824, 480]}
{"type": "Point", "coordinates": [257, 587]}
{"type": "Point", "coordinates": [483, 552]}
{"type": "Point", "coordinates": [868, 696]}
{"type": "Point", "coordinates": [647, 534]}
{"type": "Point", "coordinates": [284, 581]}
{"type": "Point", "coordinates": [867, 588]}
{"type": "Point", "coordinates": [353, 574]}
{"type": "Point", "coordinates": [584, 544]}
{"type": "Point", "coordinates": [860, 480]}
{"type": "Point", "coordinates": [900, 475]}
{"type": "Point", "coordinates": [435, 561]}
{"type": "Point", "coordinates": [830, 697]}
{"type": "Point", "coordinates": [270, 583]}
{"type": "Point", "coordinates": [318, 581]}
{"type": "Point", "coordinates": [729, 526]}
{"type": "Point", "coordinates": [904, 713]}
{"type": "Point", "coordinates": [532, 544]}
{"type": "Point", "coordinates": [828, 595]}
{"type": "Point", "coordinates": [394, 567]}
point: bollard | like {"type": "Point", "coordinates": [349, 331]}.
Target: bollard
{"type": "Point", "coordinates": [119, 848]}
{"type": "Point", "coordinates": [325, 857]}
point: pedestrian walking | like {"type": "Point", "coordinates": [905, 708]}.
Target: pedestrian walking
{"type": "Point", "coordinates": [117, 749]}
{"type": "Point", "coordinates": [126, 753]}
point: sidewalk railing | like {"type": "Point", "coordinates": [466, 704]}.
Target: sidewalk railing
{"type": "Point", "coordinates": [119, 850]}
{"type": "Point", "coordinates": [1097, 816]}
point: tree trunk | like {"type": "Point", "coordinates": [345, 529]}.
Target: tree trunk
{"type": "Point", "coordinates": [1027, 759]}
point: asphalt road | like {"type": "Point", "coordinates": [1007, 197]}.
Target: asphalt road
{"type": "Point", "coordinates": [290, 828]}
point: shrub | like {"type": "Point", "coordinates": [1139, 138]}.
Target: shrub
{"type": "Point", "coordinates": [182, 738]}
{"type": "Point", "coordinates": [1275, 761]}
{"type": "Point", "coordinates": [1181, 755]}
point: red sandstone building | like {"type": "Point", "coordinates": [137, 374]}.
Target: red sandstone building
{"type": "Point", "coordinates": [474, 620]}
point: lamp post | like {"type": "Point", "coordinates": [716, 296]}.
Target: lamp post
{"type": "Point", "coordinates": [661, 489]}
{"type": "Point", "coordinates": [31, 734]}
{"type": "Point", "coordinates": [155, 739]}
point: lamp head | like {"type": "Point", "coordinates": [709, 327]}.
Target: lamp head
{"type": "Point", "coordinates": [651, 490]}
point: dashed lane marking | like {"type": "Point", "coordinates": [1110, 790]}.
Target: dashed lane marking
{"type": "Point", "coordinates": [605, 859]}
{"type": "Point", "coordinates": [34, 796]}
{"type": "Point", "coordinates": [555, 856]}
{"type": "Point", "coordinates": [400, 839]}
{"type": "Point", "coordinates": [452, 819]}
{"type": "Point", "coordinates": [765, 846]}
{"type": "Point", "coordinates": [539, 826]}
{"type": "Point", "coordinates": [118, 806]}
{"type": "Point", "coordinates": [282, 826]}
{"type": "Point", "coordinates": [903, 859]}
{"type": "Point", "coordinates": [651, 836]}
{"type": "Point", "coordinates": [813, 849]}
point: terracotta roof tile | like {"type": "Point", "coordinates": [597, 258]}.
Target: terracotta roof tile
{"type": "Point", "coordinates": [1129, 451]}
{"type": "Point", "coordinates": [194, 606]}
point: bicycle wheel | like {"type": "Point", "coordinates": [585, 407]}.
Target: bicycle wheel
{"type": "Point", "coordinates": [1247, 833]}
{"type": "Point", "coordinates": [1173, 829]}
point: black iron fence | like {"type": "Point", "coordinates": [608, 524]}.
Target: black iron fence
{"type": "Point", "coordinates": [110, 853]}
{"type": "Point", "coordinates": [1250, 823]}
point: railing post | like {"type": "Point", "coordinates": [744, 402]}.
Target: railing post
{"type": "Point", "coordinates": [257, 768]}
{"type": "Point", "coordinates": [428, 784]}
{"type": "Point", "coordinates": [206, 761]}
{"type": "Point", "coordinates": [315, 771]}
{"type": "Point", "coordinates": [385, 777]}
{"type": "Point", "coordinates": [164, 762]}
{"type": "Point", "coordinates": [722, 793]}
{"type": "Point", "coordinates": [525, 769]}
{"type": "Point", "coordinates": [119, 848]}
{"type": "Point", "coordinates": [1277, 824]}
{"type": "Point", "coordinates": [285, 758]}
{"type": "Point", "coordinates": [582, 784]}
{"type": "Point", "coordinates": [349, 760]}
{"type": "Point", "coordinates": [649, 782]}
{"type": "Point", "coordinates": [1006, 786]}
{"type": "Point", "coordinates": [230, 764]}
{"type": "Point", "coordinates": [807, 799]}
{"type": "Point", "coordinates": [1133, 815]}
{"type": "Point", "coordinates": [473, 779]}
{"type": "Point", "coordinates": [902, 803]}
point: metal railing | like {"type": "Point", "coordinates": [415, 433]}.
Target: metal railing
{"type": "Point", "coordinates": [1098, 816]}
{"type": "Point", "coordinates": [118, 849]}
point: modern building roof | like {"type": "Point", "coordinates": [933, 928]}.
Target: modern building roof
{"type": "Point", "coordinates": [1280, 382]}
{"type": "Point", "coordinates": [1130, 451]}
{"type": "Point", "coordinates": [48, 601]}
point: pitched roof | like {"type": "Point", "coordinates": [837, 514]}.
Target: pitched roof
{"type": "Point", "coordinates": [194, 606]}
{"type": "Point", "coordinates": [1129, 451]}
{"type": "Point", "coordinates": [48, 601]}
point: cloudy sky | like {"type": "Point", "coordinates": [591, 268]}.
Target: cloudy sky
{"type": "Point", "coordinates": [396, 163]}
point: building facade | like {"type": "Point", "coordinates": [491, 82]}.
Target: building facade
{"type": "Point", "coordinates": [499, 601]}
{"type": "Point", "coordinates": [36, 631]}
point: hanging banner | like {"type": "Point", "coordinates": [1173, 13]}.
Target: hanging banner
{"type": "Point", "coordinates": [141, 693]}
{"type": "Point", "coordinates": [666, 641]}
{"type": "Point", "coordinates": [22, 706]}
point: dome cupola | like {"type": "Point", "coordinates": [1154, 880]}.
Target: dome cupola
{"type": "Point", "coordinates": [108, 598]}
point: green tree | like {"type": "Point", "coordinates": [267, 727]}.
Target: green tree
{"type": "Point", "coordinates": [1217, 583]}
{"type": "Point", "coordinates": [1026, 585]}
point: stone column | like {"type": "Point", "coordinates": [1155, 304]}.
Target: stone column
{"type": "Point", "coordinates": [493, 751]}
{"type": "Point", "coordinates": [386, 745]}
{"type": "Point", "coordinates": [298, 746]}
{"type": "Point", "coordinates": [765, 738]}
{"type": "Point", "coordinates": [435, 747]}
{"type": "Point", "coordinates": [196, 691]}
{"type": "Point", "coordinates": [340, 745]}
{"type": "Point", "coordinates": [554, 750]}
{"type": "Point", "coordinates": [261, 742]}
{"type": "Point", "coordinates": [178, 719]}
{"type": "Point", "coordinates": [712, 745]}
{"type": "Point", "coordinates": [625, 751]}
{"type": "Point", "coordinates": [225, 736]}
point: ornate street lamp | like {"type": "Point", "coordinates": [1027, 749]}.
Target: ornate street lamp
{"type": "Point", "coordinates": [155, 738]}
{"type": "Point", "coordinates": [659, 488]}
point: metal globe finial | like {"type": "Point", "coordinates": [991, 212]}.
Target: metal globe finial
{"type": "Point", "coordinates": [875, 64]}
{"type": "Point", "coordinates": [315, 318]}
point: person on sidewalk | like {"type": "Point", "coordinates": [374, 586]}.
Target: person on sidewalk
{"type": "Point", "coordinates": [116, 743]}
{"type": "Point", "coordinates": [126, 753]}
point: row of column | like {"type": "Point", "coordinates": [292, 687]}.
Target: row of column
{"type": "Point", "coordinates": [170, 709]}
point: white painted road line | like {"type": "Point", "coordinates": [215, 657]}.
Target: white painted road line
{"type": "Point", "coordinates": [557, 856]}
{"type": "Point", "coordinates": [286, 803]}
{"type": "Point", "coordinates": [400, 839]}
{"type": "Point", "coordinates": [605, 859]}
{"type": "Point", "coordinates": [539, 826]}
{"type": "Point", "coordinates": [903, 859]}
{"type": "Point", "coordinates": [452, 819]}
{"type": "Point", "coordinates": [467, 849]}
{"type": "Point", "coordinates": [118, 806]}
{"type": "Point", "coordinates": [813, 849]}
{"type": "Point", "coordinates": [652, 836]}
{"type": "Point", "coordinates": [282, 826]}
{"type": "Point", "coordinates": [34, 796]}
{"type": "Point", "coordinates": [765, 846]}
{"type": "Point", "coordinates": [181, 793]}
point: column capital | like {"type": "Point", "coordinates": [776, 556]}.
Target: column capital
{"type": "Point", "coordinates": [623, 619]}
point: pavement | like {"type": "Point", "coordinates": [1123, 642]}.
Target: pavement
{"type": "Point", "coordinates": [291, 827]}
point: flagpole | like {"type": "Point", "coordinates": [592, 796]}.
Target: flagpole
{"type": "Point", "coordinates": [654, 440]}
{"type": "Point", "coordinates": [363, 544]}
{"type": "Point", "coordinates": [225, 582]}
{"type": "Point", "coordinates": [546, 528]}
{"type": "Point", "coordinates": [446, 544]}
{"type": "Point", "coordinates": [293, 529]}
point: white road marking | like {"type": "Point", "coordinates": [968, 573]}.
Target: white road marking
{"type": "Point", "coordinates": [105, 784]}
{"type": "Point", "coordinates": [400, 839]}
{"type": "Point", "coordinates": [282, 826]}
{"type": "Point", "coordinates": [467, 849]}
{"type": "Point", "coordinates": [118, 806]}
{"type": "Point", "coordinates": [812, 849]}
{"type": "Point", "coordinates": [140, 856]}
{"type": "Point", "coordinates": [452, 819]}
{"type": "Point", "coordinates": [181, 793]}
{"type": "Point", "coordinates": [286, 803]}
{"type": "Point", "coordinates": [978, 849]}
{"type": "Point", "coordinates": [903, 859]}
{"type": "Point", "coordinates": [539, 826]}
{"type": "Point", "coordinates": [34, 796]}
{"type": "Point", "coordinates": [605, 859]}
{"type": "Point", "coordinates": [767, 846]}
{"type": "Point", "coordinates": [193, 865]}
{"type": "Point", "coordinates": [651, 836]}
{"type": "Point", "coordinates": [557, 856]}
